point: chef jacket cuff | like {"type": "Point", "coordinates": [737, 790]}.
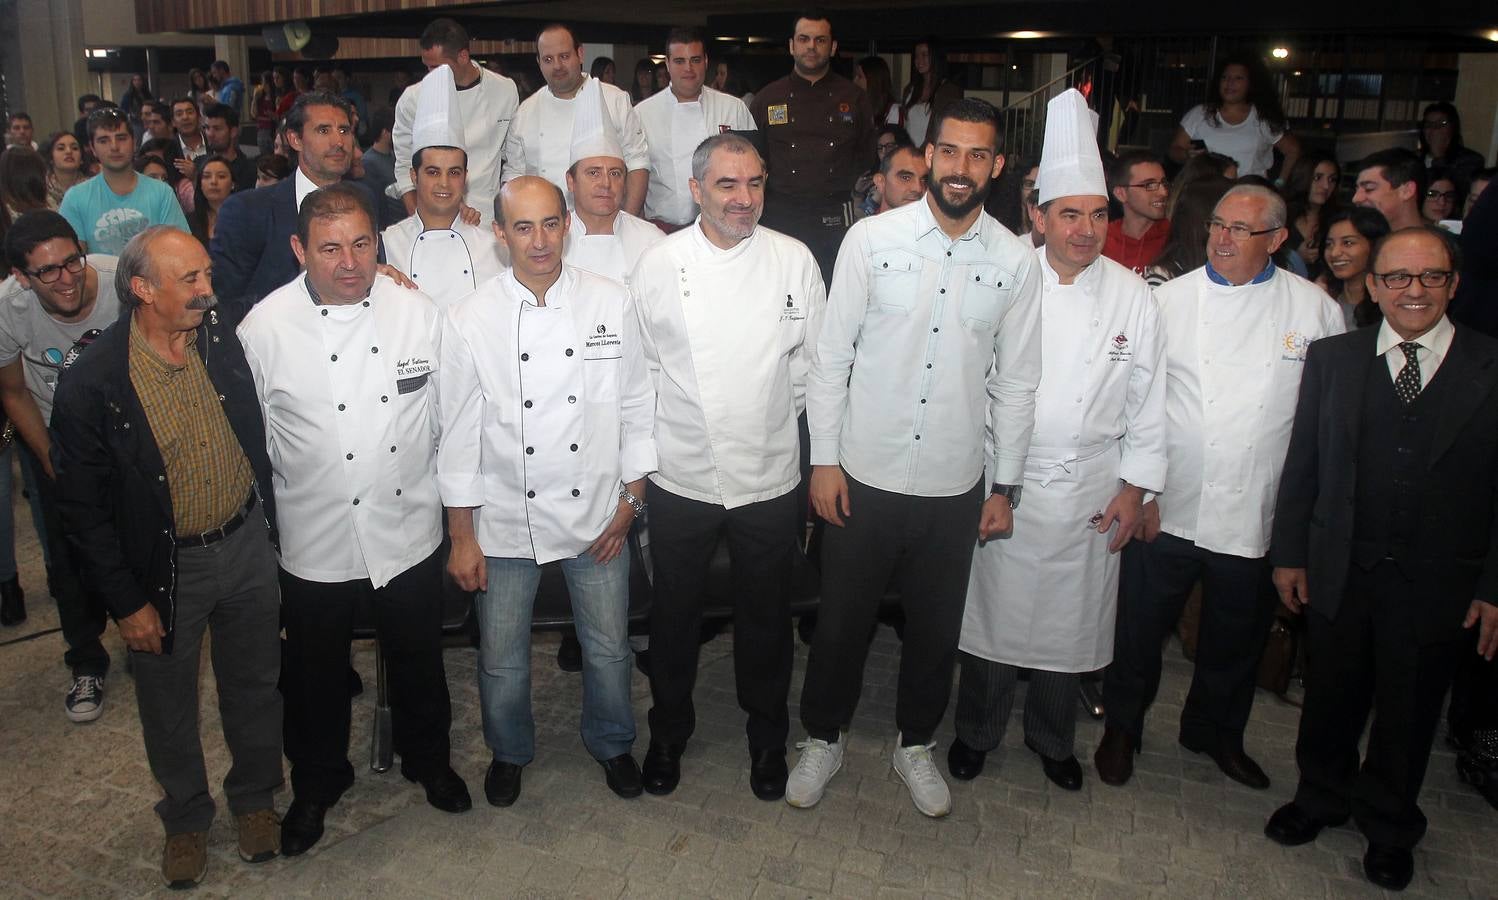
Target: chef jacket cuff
{"type": "Point", "coordinates": [461, 491]}
{"type": "Point", "coordinates": [1144, 474]}
{"type": "Point", "coordinates": [824, 452]}
{"type": "Point", "coordinates": [636, 460]}
{"type": "Point", "coordinates": [1008, 471]}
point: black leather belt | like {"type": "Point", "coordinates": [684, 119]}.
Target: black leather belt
{"type": "Point", "coordinates": [215, 535]}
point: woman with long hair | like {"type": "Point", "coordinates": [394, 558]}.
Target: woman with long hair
{"type": "Point", "coordinates": [290, 87]}
{"type": "Point", "coordinates": [929, 92]}
{"type": "Point", "coordinates": [211, 188]}
{"type": "Point", "coordinates": [23, 184]}
{"type": "Point", "coordinates": [1242, 120]}
{"type": "Point", "coordinates": [872, 74]}
{"type": "Point", "coordinates": [1441, 143]}
{"type": "Point", "coordinates": [137, 93]}
{"type": "Point", "coordinates": [199, 89]}
{"type": "Point", "coordinates": [1311, 194]}
{"type": "Point", "coordinates": [603, 69]}
{"type": "Point", "coordinates": [263, 105]}
{"type": "Point", "coordinates": [1186, 251]}
{"type": "Point", "coordinates": [643, 84]}
{"type": "Point", "coordinates": [66, 165]}
{"type": "Point", "coordinates": [1203, 165]}
{"type": "Point", "coordinates": [1350, 236]}
{"type": "Point", "coordinates": [1443, 196]}
{"type": "Point", "coordinates": [271, 169]}
{"type": "Point", "coordinates": [155, 167]}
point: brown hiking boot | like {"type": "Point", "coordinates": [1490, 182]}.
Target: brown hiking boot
{"type": "Point", "coordinates": [259, 835]}
{"type": "Point", "coordinates": [184, 859]}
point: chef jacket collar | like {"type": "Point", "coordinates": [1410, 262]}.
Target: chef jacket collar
{"type": "Point", "coordinates": [699, 237]}
{"type": "Point", "coordinates": [1052, 278]}
{"type": "Point", "coordinates": [1216, 277]}
{"type": "Point", "coordinates": [556, 296]}
{"type": "Point", "coordinates": [925, 223]}
{"type": "Point", "coordinates": [317, 298]}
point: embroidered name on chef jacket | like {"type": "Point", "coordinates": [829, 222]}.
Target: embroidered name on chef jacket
{"type": "Point", "coordinates": [792, 311]}
{"type": "Point", "coordinates": [602, 342]}
{"type": "Point", "coordinates": [1294, 346]}
{"type": "Point", "coordinates": [1119, 349]}
{"type": "Point", "coordinates": [411, 374]}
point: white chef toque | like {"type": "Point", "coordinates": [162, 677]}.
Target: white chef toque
{"type": "Point", "coordinates": [1070, 165]}
{"type": "Point", "coordinates": [592, 130]}
{"type": "Point", "coordinates": [439, 123]}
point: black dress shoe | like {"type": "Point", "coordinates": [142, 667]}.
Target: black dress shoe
{"type": "Point", "coordinates": [1291, 825]}
{"type": "Point", "coordinates": [355, 683]}
{"type": "Point", "coordinates": [642, 661]}
{"type": "Point", "coordinates": [662, 769]}
{"type": "Point", "coordinates": [1064, 773]}
{"type": "Point", "coordinates": [623, 776]}
{"type": "Point", "coordinates": [12, 602]}
{"type": "Point", "coordinates": [1234, 763]}
{"type": "Point", "coordinates": [963, 761]}
{"type": "Point", "coordinates": [502, 783]}
{"type": "Point", "coordinates": [570, 653]}
{"type": "Point", "coordinates": [767, 773]}
{"type": "Point", "coordinates": [445, 789]}
{"type": "Point", "coordinates": [1388, 866]}
{"type": "Point", "coordinates": [1115, 757]}
{"type": "Point", "coordinates": [301, 827]}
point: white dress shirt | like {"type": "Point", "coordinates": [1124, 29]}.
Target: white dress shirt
{"type": "Point", "coordinates": [727, 336]}
{"type": "Point", "coordinates": [1434, 345]}
{"type": "Point", "coordinates": [487, 109]}
{"type": "Point", "coordinates": [673, 129]}
{"type": "Point", "coordinates": [610, 255]}
{"type": "Point", "coordinates": [446, 263]}
{"type": "Point", "coordinates": [349, 394]}
{"type": "Point", "coordinates": [546, 410]}
{"type": "Point", "coordinates": [540, 139]}
{"type": "Point", "coordinates": [940, 336]}
{"type": "Point", "coordinates": [304, 186]}
{"type": "Point", "coordinates": [1234, 356]}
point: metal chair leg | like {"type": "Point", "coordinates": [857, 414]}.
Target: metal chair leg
{"type": "Point", "coordinates": [381, 739]}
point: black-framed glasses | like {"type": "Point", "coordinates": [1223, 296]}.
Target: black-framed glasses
{"type": "Point", "coordinates": [1433, 194]}
{"type": "Point", "coordinates": [1239, 232]}
{"type": "Point", "coordinates": [49, 274]}
{"type": "Point", "coordinates": [1154, 184]}
{"type": "Point", "coordinates": [1398, 281]}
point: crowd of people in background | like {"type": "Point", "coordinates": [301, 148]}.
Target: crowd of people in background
{"type": "Point", "coordinates": [876, 200]}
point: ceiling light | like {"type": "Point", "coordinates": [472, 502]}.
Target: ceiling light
{"type": "Point", "coordinates": [1025, 35]}
{"type": "Point", "coordinates": [1280, 52]}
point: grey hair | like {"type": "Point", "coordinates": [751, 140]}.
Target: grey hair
{"type": "Point", "coordinates": [1275, 213]}
{"type": "Point", "coordinates": [135, 261]}
{"type": "Point", "coordinates": [728, 141]}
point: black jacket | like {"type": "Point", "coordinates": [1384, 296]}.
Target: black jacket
{"type": "Point", "coordinates": [111, 481]}
{"type": "Point", "coordinates": [1314, 517]}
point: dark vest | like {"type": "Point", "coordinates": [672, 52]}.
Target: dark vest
{"type": "Point", "coordinates": [1394, 444]}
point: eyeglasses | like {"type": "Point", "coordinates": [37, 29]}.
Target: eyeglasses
{"type": "Point", "coordinates": [1239, 232]}
{"type": "Point", "coordinates": [1154, 184]}
{"type": "Point", "coordinates": [1434, 194]}
{"type": "Point", "coordinates": [49, 274]}
{"type": "Point", "coordinates": [1435, 123]}
{"type": "Point", "coordinates": [1398, 281]}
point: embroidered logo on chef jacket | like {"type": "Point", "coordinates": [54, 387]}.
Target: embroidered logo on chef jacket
{"type": "Point", "coordinates": [792, 312]}
{"type": "Point", "coordinates": [411, 374]}
{"type": "Point", "coordinates": [1120, 350]}
{"type": "Point", "coordinates": [1295, 345]}
{"type": "Point", "coordinates": [845, 112]}
{"type": "Point", "coordinates": [603, 343]}
{"type": "Point", "coordinates": [780, 114]}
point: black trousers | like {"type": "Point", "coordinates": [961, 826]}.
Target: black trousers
{"type": "Point", "coordinates": [1474, 693]}
{"type": "Point", "coordinates": [927, 544]}
{"type": "Point", "coordinates": [319, 620]}
{"type": "Point", "coordinates": [985, 697]}
{"type": "Point", "coordinates": [1238, 601]}
{"type": "Point", "coordinates": [821, 226]}
{"type": "Point", "coordinates": [684, 535]}
{"type": "Point", "coordinates": [81, 613]}
{"type": "Point", "coordinates": [1368, 659]}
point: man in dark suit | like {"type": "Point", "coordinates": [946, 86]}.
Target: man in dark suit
{"type": "Point", "coordinates": [1386, 530]}
{"type": "Point", "coordinates": [251, 245]}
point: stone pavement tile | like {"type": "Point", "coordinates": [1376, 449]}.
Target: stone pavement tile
{"type": "Point", "coordinates": [599, 883]}
{"type": "Point", "coordinates": [1095, 863]}
{"type": "Point", "coordinates": [692, 847]}
{"type": "Point", "coordinates": [739, 861]}
{"type": "Point", "coordinates": [946, 881]}
{"type": "Point", "coordinates": [1133, 870]}
{"type": "Point", "coordinates": [650, 867]}
{"type": "Point", "coordinates": [903, 873]}
{"type": "Point", "coordinates": [1041, 856]}
{"type": "Point", "coordinates": [729, 886]}
{"type": "Point", "coordinates": [853, 885]}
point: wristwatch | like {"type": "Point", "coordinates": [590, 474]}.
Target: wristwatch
{"type": "Point", "coordinates": [1009, 492]}
{"type": "Point", "coordinates": [635, 503]}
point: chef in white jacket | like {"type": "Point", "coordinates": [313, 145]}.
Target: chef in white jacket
{"type": "Point", "coordinates": [1044, 598]}
{"type": "Point", "coordinates": [487, 102]}
{"type": "Point", "coordinates": [345, 367]}
{"type": "Point", "coordinates": [728, 311]}
{"type": "Point", "coordinates": [540, 139]}
{"type": "Point", "coordinates": [445, 256]}
{"type": "Point", "coordinates": [601, 237]}
{"type": "Point", "coordinates": [1236, 330]}
{"type": "Point", "coordinates": [676, 120]}
{"type": "Point", "coordinates": [547, 413]}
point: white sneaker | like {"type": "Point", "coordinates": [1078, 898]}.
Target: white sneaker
{"type": "Point", "coordinates": [819, 761]}
{"type": "Point", "coordinates": [918, 770]}
{"type": "Point", "coordinates": [85, 699]}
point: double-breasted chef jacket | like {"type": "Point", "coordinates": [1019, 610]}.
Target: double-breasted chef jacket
{"type": "Point", "coordinates": [1046, 596]}
{"type": "Point", "coordinates": [546, 412]}
{"type": "Point", "coordinates": [446, 263]}
{"type": "Point", "coordinates": [349, 394]}
{"type": "Point", "coordinates": [610, 255]}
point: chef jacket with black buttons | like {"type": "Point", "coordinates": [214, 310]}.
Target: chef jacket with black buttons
{"type": "Point", "coordinates": [940, 336]}
{"type": "Point", "coordinates": [446, 263]}
{"type": "Point", "coordinates": [819, 137]}
{"type": "Point", "coordinates": [546, 412]}
{"type": "Point", "coordinates": [349, 394]}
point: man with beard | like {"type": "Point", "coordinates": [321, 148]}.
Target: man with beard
{"type": "Point", "coordinates": [819, 137]}
{"type": "Point", "coordinates": [728, 311]}
{"type": "Point", "coordinates": [221, 133]}
{"type": "Point", "coordinates": [540, 138]}
{"type": "Point", "coordinates": [935, 312]}
{"type": "Point", "coordinates": [901, 178]}
{"type": "Point", "coordinates": [1139, 186]}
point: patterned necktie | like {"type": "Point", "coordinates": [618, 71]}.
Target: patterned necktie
{"type": "Point", "coordinates": [1407, 385]}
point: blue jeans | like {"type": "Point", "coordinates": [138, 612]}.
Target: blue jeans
{"type": "Point", "coordinates": [7, 513]}
{"type": "Point", "coordinates": [600, 608]}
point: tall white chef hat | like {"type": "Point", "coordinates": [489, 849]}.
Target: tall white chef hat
{"type": "Point", "coordinates": [1070, 165]}
{"type": "Point", "coordinates": [592, 130]}
{"type": "Point", "coordinates": [438, 123]}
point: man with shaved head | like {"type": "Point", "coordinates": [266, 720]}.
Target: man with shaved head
{"type": "Point", "coordinates": [165, 488]}
{"type": "Point", "coordinates": [901, 177]}
{"type": "Point", "coordinates": [1386, 539]}
{"type": "Point", "coordinates": [547, 414]}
